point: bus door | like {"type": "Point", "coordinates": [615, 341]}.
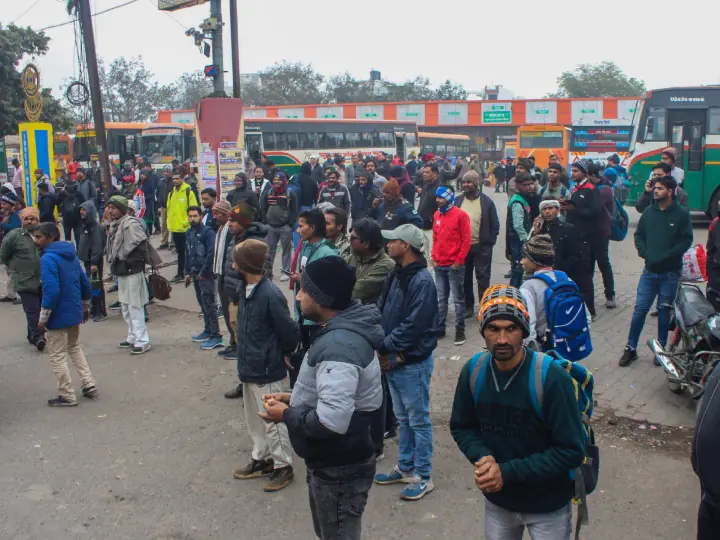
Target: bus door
{"type": "Point", "coordinates": [254, 144]}
{"type": "Point", "coordinates": [400, 148]}
{"type": "Point", "coordinates": [687, 136]}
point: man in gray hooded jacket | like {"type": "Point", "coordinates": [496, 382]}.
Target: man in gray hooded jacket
{"type": "Point", "coordinates": [337, 393]}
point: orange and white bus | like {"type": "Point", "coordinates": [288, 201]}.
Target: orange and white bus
{"type": "Point", "coordinates": [122, 138]}
{"type": "Point", "coordinates": [445, 144]}
{"type": "Point", "coordinates": [542, 141]}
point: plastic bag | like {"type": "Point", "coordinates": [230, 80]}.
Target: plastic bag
{"type": "Point", "coordinates": [694, 261]}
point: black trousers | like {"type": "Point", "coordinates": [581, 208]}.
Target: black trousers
{"type": "Point", "coordinates": [477, 264]}
{"type": "Point", "coordinates": [600, 251]}
{"type": "Point", "coordinates": [383, 419]}
{"type": "Point", "coordinates": [31, 306]}
{"type": "Point", "coordinates": [70, 230]}
{"type": "Point", "coordinates": [179, 241]}
{"type": "Point", "coordinates": [226, 306]}
{"type": "Point", "coordinates": [98, 290]}
{"type": "Point", "coordinates": [708, 527]}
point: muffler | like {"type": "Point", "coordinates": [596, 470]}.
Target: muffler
{"type": "Point", "coordinates": [661, 357]}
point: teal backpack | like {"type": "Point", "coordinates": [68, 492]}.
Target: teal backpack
{"type": "Point", "coordinates": [584, 477]}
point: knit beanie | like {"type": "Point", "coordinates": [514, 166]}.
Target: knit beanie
{"type": "Point", "coordinates": [119, 202]}
{"type": "Point", "coordinates": [581, 165]}
{"type": "Point", "coordinates": [526, 164]}
{"type": "Point", "coordinates": [242, 213]}
{"type": "Point", "coordinates": [398, 171]}
{"type": "Point", "coordinates": [250, 256]}
{"type": "Point", "coordinates": [472, 176]}
{"type": "Point", "coordinates": [555, 166]}
{"type": "Point", "coordinates": [392, 188]}
{"type": "Point", "coordinates": [222, 207]}
{"type": "Point", "coordinates": [549, 202]}
{"type": "Point", "coordinates": [540, 250]}
{"type": "Point", "coordinates": [329, 282]}
{"type": "Point", "coordinates": [506, 303]}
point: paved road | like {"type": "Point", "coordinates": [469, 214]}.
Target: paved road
{"type": "Point", "coordinates": [152, 458]}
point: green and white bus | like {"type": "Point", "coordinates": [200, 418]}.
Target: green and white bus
{"type": "Point", "coordinates": [687, 119]}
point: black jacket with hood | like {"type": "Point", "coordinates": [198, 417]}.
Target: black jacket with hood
{"type": "Point", "coordinates": [232, 279]}
{"type": "Point", "coordinates": [308, 186]}
{"type": "Point", "coordinates": [246, 195]}
{"type": "Point", "coordinates": [91, 240]}
{"type": "Point", "coordinates": [69, 201]}
{"type": "Point", "coordinates": [706, 443]}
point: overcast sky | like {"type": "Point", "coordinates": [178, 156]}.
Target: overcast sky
{"type": "Point", "coordinates": [523, 45]}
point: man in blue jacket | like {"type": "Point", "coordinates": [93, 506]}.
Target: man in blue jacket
{"type": "Point", "coordinates": [66, 294]}
{"type": "Point", "coordinates": [199, 257]}
{"type": "Point", "coordinates": [409, 307]}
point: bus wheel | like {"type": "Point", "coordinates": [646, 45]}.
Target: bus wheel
{"type": "Point", "coordinates": [714, 203]}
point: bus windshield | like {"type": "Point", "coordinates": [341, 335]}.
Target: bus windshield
{"type": "Point", "coordinates": [82, 147]}
{"type": "Point", "coordinates": [541, 139]}
{"type": "Point", "coordinates": [162, 145]}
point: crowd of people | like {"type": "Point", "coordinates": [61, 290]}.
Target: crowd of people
{"type": "Point", "coordinates": [372, 251]}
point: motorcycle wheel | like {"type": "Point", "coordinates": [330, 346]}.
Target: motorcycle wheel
{"type": "Point", "coordinates": [675, 388]}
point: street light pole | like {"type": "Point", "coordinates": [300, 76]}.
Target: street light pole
{"type": "Point", "coordinates": [217, 47]}
{"type": "Point", "coordinates": [234, 48]}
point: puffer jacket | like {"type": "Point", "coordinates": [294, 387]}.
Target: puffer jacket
{"type": "Point", "coordinates": [231, 279]}
{"type": "Point", "coordinates": [19, 253]}
{"type": "Point", "coordinates": [64, 285]}
{"type": "Point", "coordinates": [91, 240]}
{"type": "Point", "coordinates": [338, 390]}
{"type": "Point", "coordinates": [199, 251]}
{"type": "Point", "coordinates": [266, 333]}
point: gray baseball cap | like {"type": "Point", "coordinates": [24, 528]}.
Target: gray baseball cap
{"type": "Point", "coordinates": [407, 233]}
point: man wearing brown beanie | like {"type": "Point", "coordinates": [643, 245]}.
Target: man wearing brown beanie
{"type": "Point", "coordinates": [393, 210]}
{"type": "Point", "coordinates": [268, 334]}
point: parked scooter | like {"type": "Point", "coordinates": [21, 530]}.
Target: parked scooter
{"type": "Point", "coordinates": [694, 348]}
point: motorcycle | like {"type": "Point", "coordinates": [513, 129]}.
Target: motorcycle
{"type": "Point", "coordinates": [694, 349]}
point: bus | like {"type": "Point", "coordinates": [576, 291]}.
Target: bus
{"type": "Point", "coordinates": [541, 142]}
{"type": "Point", "coordinates": [688, 120]}
{"type": "Point", "coordinates": [122, 139]}
{"type": "Point", "coordinates": [441, 144]}
{"type": "Point", "coordinates": [163, 143]}
{"type": "Point", "coordinates": [598, 143]}
{"type": "Point", "coordinates": [289, 142]}
{"type": "Point", "coordinates": [510, 150]}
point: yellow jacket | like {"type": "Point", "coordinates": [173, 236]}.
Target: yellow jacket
{"type": "Point", "coordinates": [179, 200]}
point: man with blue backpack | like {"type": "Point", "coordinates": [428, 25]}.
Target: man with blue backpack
{"type": "Point", "coordinates": [518, 420]}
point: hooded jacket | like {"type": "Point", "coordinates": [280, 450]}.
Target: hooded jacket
{"type": "Point", "coordinates": [337, 391]}
{"type": "Point", "coordinates": [91, 240]}
{"type": "Point", "coordinates": [164, 185]}
{"type": "Point", "coordinates": [246, 195]}
{"type": "Point", "coordinates": [362, 199]}
{"type": "Point", "coordinates": [199, 251]}
{"type": "Point", "coordinates": [280, 210]}
{"type": "Point", "coordinates": [663, 236]}
{"type": "Point", "coordinates": [308, 185]}
{"type": "Point", "coordinates": [46, 207]}
{"type": "Point", "coordinates": [706, 443]}
{"type": "Point", "coordinates": [265, 333]}
{"type": "Point", "coordinates": [392, 216]}
{"type": "Point", "coordinates": [19, 253]}
{"type": "Point", "coordinates": [585, 214]}
{"type": "Point", "coordinates": [427, 205]}
{"type": "Point", "coordinates": [451, 237]}
{"type": "Point", "coordinates": [64, 285]}
{"type": "Point", "coordinates": [69, 201]}
{"type": "Point", "coordinates": [87, 189]}
{"type": "Point", "coordinates": [179, 200]}
{"type": "Point", "coordinates": [232, 279]}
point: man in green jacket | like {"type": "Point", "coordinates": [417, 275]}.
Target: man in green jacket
{"type": "Point", "coordinates": [522, 462]}
{"type": "Point", "coordinates": [664, 233]}
{"type": "Point", "coordinates": [372, 264]}
{"type": "Point", "coordinates": [19, 253]}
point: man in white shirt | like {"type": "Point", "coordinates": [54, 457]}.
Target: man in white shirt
{"type": "Point", "coordinates": [669, 156]}
{"type": "Point", "coordinates": [17, 180]}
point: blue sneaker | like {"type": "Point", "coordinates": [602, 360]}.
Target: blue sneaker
{"type": "Point", "coordinates": [203, 336]}
{"type": "Point", "coordinates": [212, 343]}
{"type": "Point", "coordinates": [417, 489]}
{"type": "Point", "coordinates": [395, 476]}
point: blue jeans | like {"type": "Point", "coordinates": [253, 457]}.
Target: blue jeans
{"type": "Point", "coordinates": [664, 286]}
{"type": "Point", "coordinates": [516, 271]}
{"type": "Point", "coordinates": [410, 392]}
{"type": "Point", "coordinates": [448, 280]}
{"type": "Point", "coordinates": [501, 524]}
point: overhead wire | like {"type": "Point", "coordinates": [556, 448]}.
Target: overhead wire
{"type": "Point", "coordinates": [94, 15]}
{"type": "Point", "coordinates": [35, 3]}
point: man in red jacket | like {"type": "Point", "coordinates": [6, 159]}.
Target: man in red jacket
{"type": "Point", "coordinates": [451, 244]}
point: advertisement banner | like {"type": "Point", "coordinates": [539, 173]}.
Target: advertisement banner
{"type": "Point", "coordinates": [230, 163]}
{"type": "Point", "coordinates": [36, 148]}
{"type": "Point", "coordinates": [208, 169]}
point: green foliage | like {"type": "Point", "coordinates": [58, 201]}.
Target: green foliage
{"type": "Point", "coordinates": [285, 83]}
{"type": "Point", "coordinates": [451, 91]}
{"type": "Point", "coordinates": [598, 80]}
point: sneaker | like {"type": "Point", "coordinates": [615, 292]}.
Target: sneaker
{"type": "Point", "coordinates": [593, 316]}
{"type": "Point", "coordinates": [379, 456]}
{"type": "Point", "coordinates": [255, 469]}
{"type": "Point", "coordinates": [177, 279]}
{"type": "Point", "coordinates": [115, 306]}
{"type": "Point", "coordinates": [212, 343]}
{"type": "Point", "coordinates": [508, 275]}
{"type": "Point", "coordinates": [395, 476]}
{"type": "Point", "coordinates": [417, 489]}
{"type": "Point", "coordinates": [390, 434]}
{"type": "Point", "coordinates": [629, 356]}
{"type": "Point", "coordinates": [279, 479]}
{"type": "Point", "coordinates": [17, 302]}
{"type": "Point", "coordinates": [7, 299]}
{"type": "Point", "coordinates": [654, 313]}
{"type": "Point", "coordinates": [40, 344]}
{"type": "Point", "coordinates": [459, 336]}
{"type": "Point", "coordinates": [163, 246]}
{"type": "Point", "coordinates": [224, 351]}
{"type": "Point", "coordinates": [469, 313]}
{"type": "Point", "coordinates": [202, 336]}
{"type": "Point", "coordinates": [441, 333]}
{"type": "Point", "coordinates": [141, 350]}
{"type": "Point", "coordinates": [99, 318]}
{"type": "Point", "coordinates": [229, 353]}
{"type": "Point", "coordinates": [61, 402]}
{"type": "Point", "coordinates": [114, 288]}
{"type": "Point", "coordinates": [284, 277]}
{"type": "Point", "coordinates": [90, 392]}
{"type": "Point", "coordinates": [126, 345]}
{"type": "Point", "coordinates": [235, 393]}
{"type": "Point", "coordinates": [610, 303]}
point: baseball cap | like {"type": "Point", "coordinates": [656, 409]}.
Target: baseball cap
{"type": "Point", "coordinates": [407, 233]}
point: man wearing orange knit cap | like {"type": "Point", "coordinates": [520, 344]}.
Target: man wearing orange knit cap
{"type": "Point", "coordinates": [393, 209]}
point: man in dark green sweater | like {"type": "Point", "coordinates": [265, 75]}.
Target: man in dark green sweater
{"type": "Point", "coordinates": [664, 233]}
{"type": "Point", "coordinates": [522, 461]}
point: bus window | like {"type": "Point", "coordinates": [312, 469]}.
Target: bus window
{"type": "Point", "coordinates": [269, 141]}
{"type": "Point", "coordinates": [541, 139]}
{"type": "Point", "coordinates": [411, 139]}
{"type": "Point", "coordinates": [253, 144]}
{"type": "Point", "coordinates": [335, 140]}
{"type": "Point", "coordinates": [366, 140]}
{"type": "Point", "coordinates": [695, 148]}
{"type": "Point", "coordinates": [655, 126]}
{"type": "Point", "coordinates": [387, 140]}
{"type": "Point", "coordinates": [281, 141]}
{"type": "Point", "coordinates": [352, 139]}
{"type": "Point", "coordinates": [714, 121]}
{"type": "Point", "coordinates": [292, 141]}
{"type": "Point", "coordinates": [61, 147]}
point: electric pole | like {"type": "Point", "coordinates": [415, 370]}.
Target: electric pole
{"type": "Point", "coordinates": [85, 18]}
{"type": "Point", "coordinates": [234, 48]}
{"type": "Point", "coordinates": [217, 47]}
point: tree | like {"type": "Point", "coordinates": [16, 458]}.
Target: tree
{"type": "Point", "coordinates": [191, 88]}
{"type": "Point", "coordinates": [346, 89]}
{"type": "Point", "coordinates": [449, 91]}
{"type": "Point", "coordinates": [15, 44]}
{"type": "Point", "coordinates": [417, 89]}
{"type": "Point", "coordinates": [286, 83]}
{"type": "Point", "coordinates": [598, 80]}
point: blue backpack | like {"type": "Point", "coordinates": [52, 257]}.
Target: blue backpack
{"type": "Point", "coordinates": [620, 223]}
{"type": "Point", "coordinates": [568, 333]}
{"type": "Point", "coordinates": [586, 476]}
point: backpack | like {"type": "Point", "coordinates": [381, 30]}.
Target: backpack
{"type": "Point", "coordinates": [619, 223]}
{"type": "Point", "coordinates": [585, 477]}
{"type": "Point", "coordinates": [568, 331]}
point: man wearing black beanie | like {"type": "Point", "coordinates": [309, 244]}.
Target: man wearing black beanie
{"type": "Point", "coordinates": [337, 393]}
